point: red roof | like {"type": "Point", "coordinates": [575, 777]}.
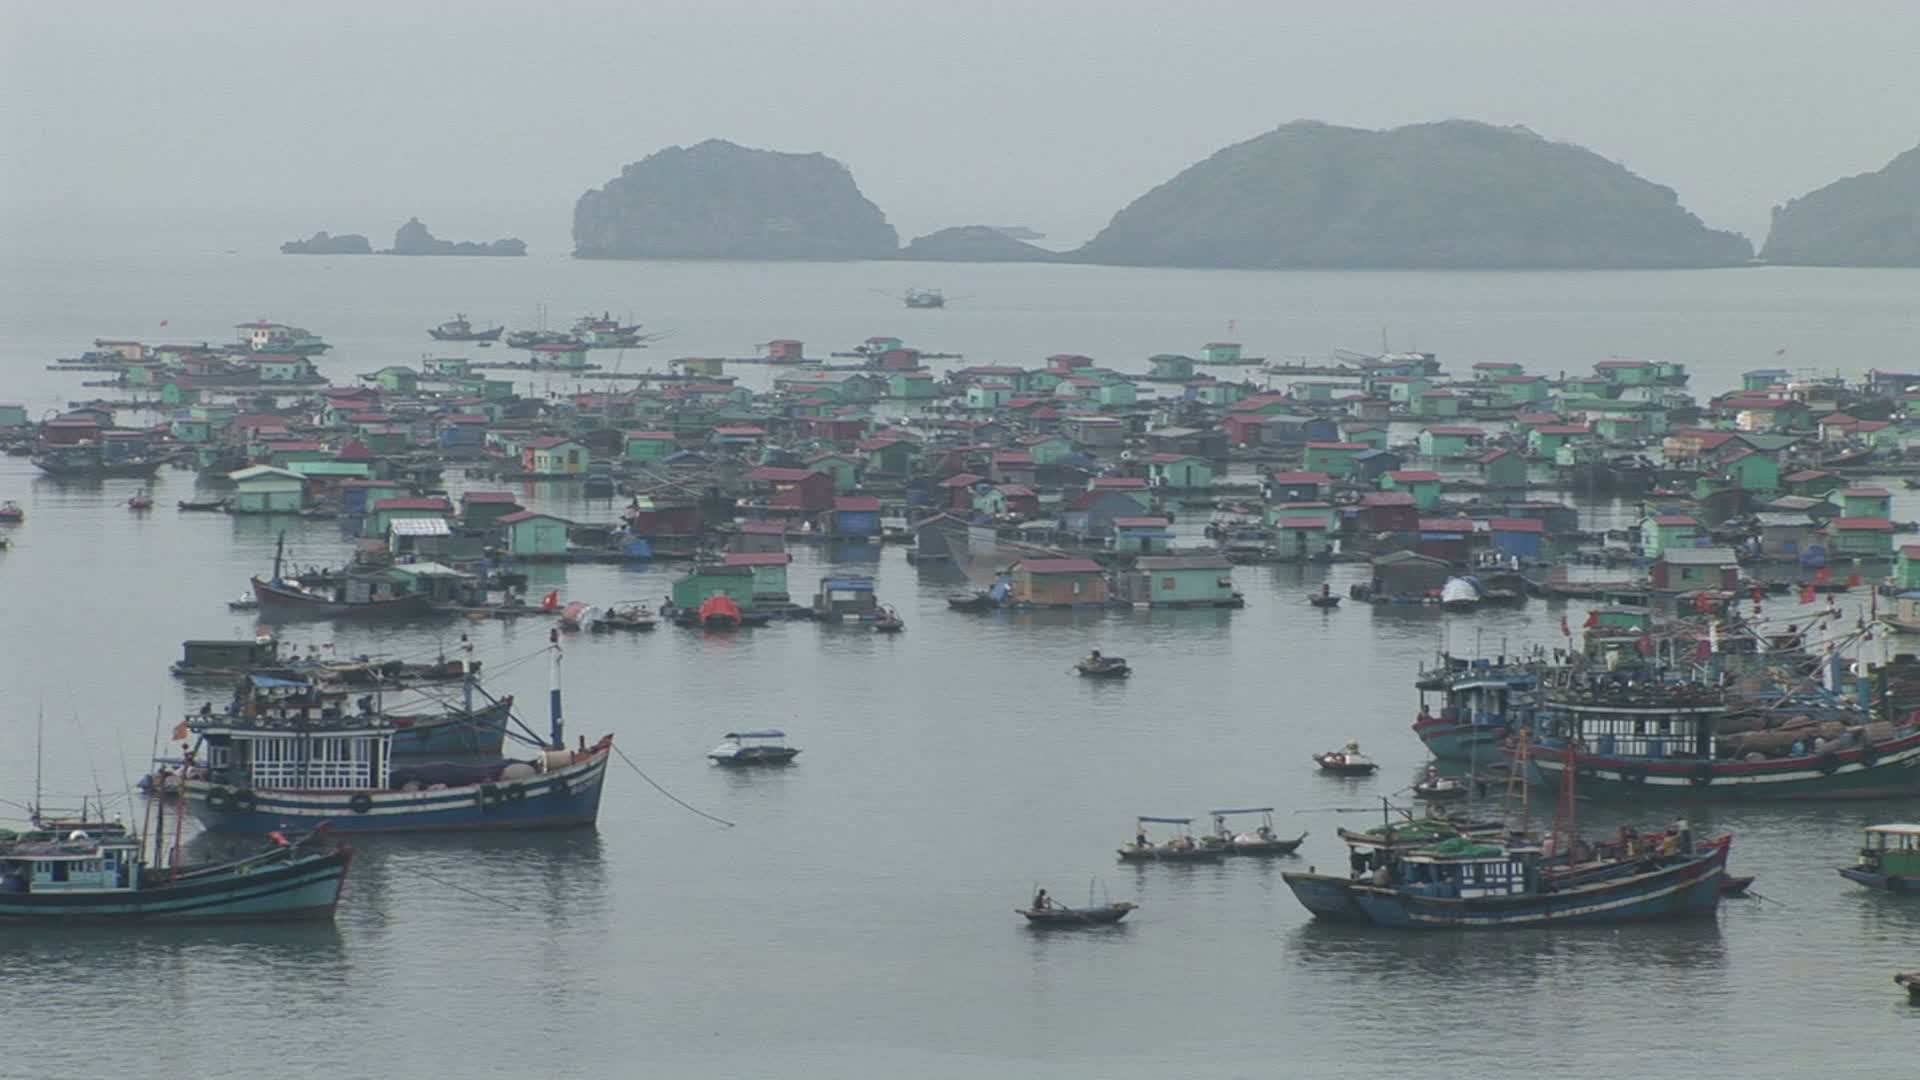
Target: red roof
{"type": "Point", "coordinates": [740, 429]}
{"type": "Point", "coordinates": [1291, 478]}
{"type": "Point", "coordinates": [1015, 491]}
{"type": "Point", "coordinates": [526, 515]}
{"type": "Point", "coordinates": [1338, 446]}
{"type": "Point", "coordinates": [441, 505]}
{"type": "Point", "coordinates": [1863, 524]}
{"type": "Point", "coordinates": [1060, 566]}
{"type": "Point", "coordinates": [1446, 525]}
{"type": "Point", "coordinates": [1013, 457]}
{"type": "Point", "coordinates": [1561, 429]}
{"type": "Point", "coordinates": [756, 558]}
{"type": "Point", "coordinates": [857, 504]}
{"type": "Point", "coordinates": [1413, 476]}
{"type": "Point", "coordinates": [1617, 364]}
{"type": "Point", "coordinates": [651, 436]}
{"type": "Point", "coordinates": [1911, 551]}
{"type": "Point", "coordinates": [1805, 475]}
{"type": "Point", "coordinates": [491, 498]}
{"type": "Point", "coordinates": [1119, 483]}
{"type": "Point", "coordinates": [1865, 493]}
{"type": "Point", "coordinates": [763, 528]}
{"type": "Point", "coordinates": [1140, 522]}
{"type": "Point", "coordinates": [288, 446]}
{"type": "Point", "coordinates": [1676, 519]}
{"type": "Point", "coordinates": [1492, 456]}
{"type": "Point", "coordinates": [965, 479]}
{"type": "Point", "coordinates": [547, 442]}
{"type": "Point", "coordinates": [1303, 523]}
{"type": "Point", "coordinates": [1519, 525]}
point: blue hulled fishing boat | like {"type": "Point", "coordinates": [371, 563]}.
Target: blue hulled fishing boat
{"type": "Point", "coordinates": [1481, 702]}
{"type": "Point", "coordinates": [260, 775]}
{"type": "Point", "coordinates": [87, 872]}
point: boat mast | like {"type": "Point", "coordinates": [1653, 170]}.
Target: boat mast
{"type": "Point", "coordinates": [559, 740]}
{"type": "Point", "coordinates": [466, 672]}
{"type": "Point", "coordinates": [278, 547]}
{"type": "Point", "coordinates": [39, 756]}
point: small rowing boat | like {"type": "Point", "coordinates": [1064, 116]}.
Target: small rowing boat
{"type": "Point", "coordinates": [1346, 761]}
{"type": "Point", "coordinates": [1067, 917]}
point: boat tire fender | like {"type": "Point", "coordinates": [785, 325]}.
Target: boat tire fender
{"type": "Point", "coordinates": [516, 792]}
{"type": "Point", "coordinates": [1633, 776]}
{"type": "Point", "coordinates": [360, 803]}
{"type": "Point", "coordinates": [561, 787]}
{"type": "Point", "coordinates": [1702, 774]}
{"type": "Point", "coordinates": [219, 798]}
{"type": "Point", "coordinates": [489, 794]}
{"type": "Point", "coordinates": [245, 801]}
{"type": "Point", "coordinates": [1829, 762]}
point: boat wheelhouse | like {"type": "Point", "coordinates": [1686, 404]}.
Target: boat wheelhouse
{"type": "Point", "coordinates": [1638, 734]}
{"type": "Point", "coordinates": [1482, 701]}
{"type": "Point", "coordinates": [1889, 859]}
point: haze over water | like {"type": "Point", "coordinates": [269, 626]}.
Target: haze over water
{"type": "Point", "coordinates": [858, 921]}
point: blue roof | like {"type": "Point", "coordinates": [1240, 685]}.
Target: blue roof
{"type": "Point", "coordinates": [1168, 820]}
{"type": "Point", "coordinates": [1243, 810]}
{"type": "Point", "coordinates": [768, 733]}
{"type": "Point", "coordinates": [272, 682]}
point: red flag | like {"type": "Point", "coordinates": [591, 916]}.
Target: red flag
{"type": "Point", "coordinates": [1593, 619]}
{"type": "Point", "coordinates": [180, 731]}
{"type": "Point", "coordinates": [1645, 644]}
{"type": "Point", "coordinates": [1853, 581]}
{"type": "Point", "coordinates": [1806, 594]}
{"type": "Point", "coordinates": [551, 600]}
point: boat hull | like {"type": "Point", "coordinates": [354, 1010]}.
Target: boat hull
{"type": "Point", "coordinates": [1070, 918]}
{"type": "Point", "coordinates": [1889, 770]}
{"type": "Point", "coordinates": [1872, 879]}
{"type": "Point", "coordinates": [307, 888]}
{"type": "Point", "coordinates": [1687, 890]}
{"type": "Point", "coordinates": [562, 799]}
{"type": "Point", "coordinates": [1462, 742]}
{"type": "Point", "coordinates": [1326, 897]}
{"type": "Point", "coordinates": [281, 602]}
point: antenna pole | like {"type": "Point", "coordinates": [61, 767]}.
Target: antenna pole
{"type": "Point", "coordinates": [559, 739]}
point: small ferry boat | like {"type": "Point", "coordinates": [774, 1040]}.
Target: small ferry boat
{"type": "Point", "coordinates": [924, 298]}
{"type": "Point", "coordinates": [202, 505]}
{"type": "Point", "coordinates": [68, 873]}
{"type": "Point", "coordinates": [1346, 761]}
{"type": "Point", "coordinates": [767, 747]}
{"type": "Point", "coordinates": [258, 775]}
{"type": "Point", "coordinates": [459, 329]}
{"type": "Point", "coordinates": [140, 500]}
{"type": "Point", "coordinates": [1889, 859]}
{"type": "Point", "coordinates": [1260, 840]}
{"type": "Point", "coordinates": [1182, 847]}
{"type": "Point", "coordinates": [1103, 667]}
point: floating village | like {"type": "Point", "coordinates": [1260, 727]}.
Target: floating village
{"type": "Point", "coordinates": [1751, 633]}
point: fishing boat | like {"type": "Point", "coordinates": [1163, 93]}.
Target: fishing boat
{"type": "Point", "coordinates": [11, 514]}
{"type": "Point", "coordinates": [1346, 761]}
{"type": "Point", "coordinates": [978, 600]}
{"type": "Point", "coordinates": [1481, 702]}
{"type": "Point", "coordinates": [1463, 884]}
{"type": "Point", "coordinates": [577, 616]}
{"type": "Point", "coordinates": [623, 617]}
{"type": "Point", "coordinates": [1260, 840]}
{"type": "Point", "coordinates": [1103, 667]}
{"type": "Point", "coordinates": [459, 329]}
{"type": "Point", "coordinates": [1638, 737]}
{"type": "Point", "coordinates": [1182, 847]}
{"type": "Point", "coordinates": [140, 500]}
{"type": "Point", "coordinates": [351, 595]}
{"type": "Point", "coordinates": [1058, 916]}
{"type": "Point", "coordinates": [252, 776]}
{"type": "Point", "coordinates": [767, 747]}
{"type": "Point", "coordinates": [1324, 600]}
{"type": "Point", "coordinates": [226, 658]}
{"type": "Point", "coordinates": [59, 876]}
{"type": "Point", "coordinates": [88, 461]}
{"type": "Point", "coordinates": [287, 699]}
{"type": "Point", "coordinates": [202, 505]}
{"type": "Point", "coordinates": [924, 298]}
{"type": "Point", "coordinates": [1889, 859]}
{"type": "Point", "coordinates": [243, 603]}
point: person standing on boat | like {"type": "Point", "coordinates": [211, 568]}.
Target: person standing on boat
{"type": "Point", "coordinates": [1684, 832]}
{"type": "Point", "coordinates": [1041, 901]}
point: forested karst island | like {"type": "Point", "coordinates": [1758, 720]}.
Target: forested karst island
{"type": "Point", "coordinates": [1451, 195]}
{"type": "Point", "coordinates": [1872, 219]}
{"type": "Point", "coordinates": [720, 200]}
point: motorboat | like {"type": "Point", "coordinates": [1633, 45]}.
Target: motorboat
{"type": "Point", "coordinates": [1260, 840]}
{"type": "Point", "coordinates": [1437, 788]}
{"type": "Point", "coordinates": [765, 747]}
{"type": "Point", "coordinates": [1889, 859]}
{"type": "Point", "coordinates": [1058, 916]}
{"type": "Point", "coordinates": [1182, 847]}
{"type": "Point", "coordinates": [1103, 667]}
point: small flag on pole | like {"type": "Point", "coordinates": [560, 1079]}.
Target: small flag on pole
{"type": "Point", "coordinates": [180, 731]}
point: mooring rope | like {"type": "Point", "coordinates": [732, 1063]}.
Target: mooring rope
{"type": "Point", "coordinates": [669, 794]}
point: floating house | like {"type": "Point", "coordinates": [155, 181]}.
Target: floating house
{"type": "Point", "coordinates": [1665, 532]}
{"type": "Point", "coordinates": [1688, 569]}
{"type": "Point", "coordinates": [1180, 472]}
{"type": "Point", "coordinates": [264, 489]}
{"type": "Point", "coordinates": [533, 535]}
{"type": "Point", "coordinates": [1180, 581]}
{"type": "Point", "coordinates": [1302, 538]}
{"type": "Point", "coordinates": [1298, 486]}
{"type": "Point", "coordinates": [769, 570]}
{"type": "Point", "coordinates": [1518, 538]}
{"type": "Point", "coordinates": [1058, 582]}
{"type": "Point", "coordinates": [1409, 574]}
{"type": "Point", "coordinates": [1142, 535]}
{"type": "Point", "coordinates": [553, 455]}
{"type": "Point", "coordinates": [1501, 468]}
{"type": "Point", "coordinates": [715, 579]}
{"type": "Point", "coordinates": [1422, 485]}
{"type": "Point", "coordinates": [1860, 538]}
{"type": "Point", "coordinates": [854, 517]}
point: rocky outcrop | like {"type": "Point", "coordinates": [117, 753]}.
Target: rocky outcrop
{"type": "Point", "coordinates": [718, 200]}
{"type": "Point", "coordinates": [1456, 194]}
{"type": "Point", "coordinates": [322, 244]}
{"type": "Point", "coordinates": [975, 243]}
{"type": "Point", "coordinates": [413, 238]}
{"type": "Point", "coordinates": [1872, 219]}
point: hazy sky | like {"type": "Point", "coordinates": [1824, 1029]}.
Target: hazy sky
{"type": "Point", "coordinates": [351, 116]}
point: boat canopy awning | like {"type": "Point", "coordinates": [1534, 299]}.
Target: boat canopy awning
{"type": "Point", "coordinates": [1243, 810]}
{"type": "Point", "coordinates": [274, 682]}
{"type": "Point", "coordinates": [1898, 829]}
{"type": "Point", "coordinates": [766, 733]}
{"type": "Point", "coordinates": [1483, 684]}
{"type": "Point", "coordinates": [1167, 820]}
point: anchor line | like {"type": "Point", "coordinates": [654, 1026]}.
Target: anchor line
{"type": "Point", "coordinates": [669, 794]}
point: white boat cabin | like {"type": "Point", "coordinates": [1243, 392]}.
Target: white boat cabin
{"type": "Point", "coordinates": [348, 757]}
{"type": "Point", "coordinates": [76, 862]}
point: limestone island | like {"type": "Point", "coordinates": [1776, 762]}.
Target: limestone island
{"type": "Point", "coordinates": [1872, 219]}
{"type": "Point", "coordinates": [413, 238]}
{"type": "Point", "coordinates": [975, 243]}
{"type": "Point", "coordinates": [719, 200]}
{"type": "Point", "coordinates": [321, 243]}
{"type": "Point", "coordinates": [1451, 195]}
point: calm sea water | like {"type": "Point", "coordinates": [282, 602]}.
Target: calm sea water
{"type": "Point", "coordinates": [858, 920]}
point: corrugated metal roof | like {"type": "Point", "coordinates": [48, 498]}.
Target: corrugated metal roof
{"type": "Point", "coordinates": [421, 527]}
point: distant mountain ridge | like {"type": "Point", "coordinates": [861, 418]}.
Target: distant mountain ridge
{"type": "Point", "coordinates": [1872, 219]}
{"type": "Point", "coordinates": [1456, 194]}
